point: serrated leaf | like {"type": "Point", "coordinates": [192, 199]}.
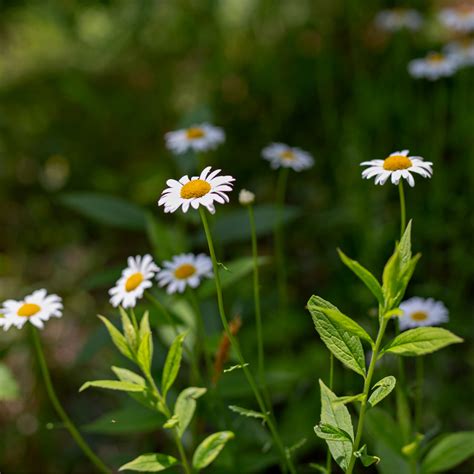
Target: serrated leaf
{"type": "Point", "coordinates": [172, 364]}
{"type": "Point", "coordinates": [367, 278]}
{"type": "Point", "coordinates": [128, 329]}
{"type": "Point", "coordinates": [117, 338]}
{"type": "Point", "coordinates": [331, 433]}
{"type": "Point", "coordinates": [381, 389]}
{"type": "Point", "coordinates": [420, 341]}
{"type": "Point", "coordinates": [345, 346]}
{"type": "Point", "coordinates": [210, 448]}
{"type": "Point", "coordinates": [449, 451]}
{"type": "Point", "coordinates": [150, 462]}
{"type": "Point", "coordinates": [246, 412]}
{"type": "Point", "coordinates": [366, 459]}
{"type": "Point", "coordinates": [185, 406]}
{"type": "Point", "coordinates": [113, 385]}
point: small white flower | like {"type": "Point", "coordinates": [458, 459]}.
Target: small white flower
{"type": "Point", "coordinates": [201, 190]}
{"type": "Point", "coordinates": [135, 279]}
{"type": "Point", "coordinates": [281, 155]}
{"type": "Point", "coordinates": [397, 165]}
{"type": "Point", "coordinates": [246, 197]}
{"type": "Point", "coordinates": [35, 308]}
{"type": "Point", "coordinates": [433, 66]}
{"type": "Point", "coordinates": [422, 312]}
{"type": "Point", "coordinates": [459, 18]}
{"type": "Point", "coordinates": [399, 18]}
{"type": "Point", "coordinates": [201, 137]}
{"type": "Point", "coordinates": [461, 51]}
{"type": "Point", "coordinates": [184, 270]}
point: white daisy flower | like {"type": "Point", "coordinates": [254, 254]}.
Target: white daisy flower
{"type": "Point", "coordinates": [397, 165]}
{"type": "Point", "coordinates": [135, 279]}
{"type": "Point", "coordinates": [184, 270]}
{"type": "Point", "coordinates": [399, 18]}
{"type": "Point", "coordinates": [246, 197]}
{"type": "Point", "coordinates": [422, 312]}
{"type": "Point", "coordinates": [201, 190]}
{"type": "Point", "coordinates": [35, 308]}
{"type": "Point", "coordinates": [459, 18]}
{"type": "Point", "coordinates": [281, 155]}
{"type": "Point", "coordinates": [201, 137]}
{"type": "Point", "coordinates": [461, 51]}
{"type": "Point", "coordinates": [433, 66]}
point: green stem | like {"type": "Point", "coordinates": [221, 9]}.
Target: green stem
{"type": "Point", "coordinates": [286, 459]}
{"type": "Point", "coordinates": [403, 218]}
{"type": "Point", "coordinates": [280, 238]}
{"type": "Point", "coordinates": [331, 382]}
{"type": "Point", "coordinates": [419, 393]}
{"type": "Point", "coordinates": [60, 410]}
{"type": "Point", "coordinates": [367, 385]}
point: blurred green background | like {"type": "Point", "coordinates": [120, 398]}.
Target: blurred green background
{"type": "Point", "coordinates": [87, 91]}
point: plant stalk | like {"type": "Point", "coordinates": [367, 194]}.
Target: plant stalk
{"type": "Point", "coordinates": [331, 382]}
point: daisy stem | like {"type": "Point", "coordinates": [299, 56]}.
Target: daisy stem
{"type": "Point", "coordinates": [419, 392]}
{"type": "Point", "coordinates": [58, 407]}
{"type": "Point", "coordinates": [367, 385]}
{"type": "Point", "coordinates": [279, 237]}
{"type": "Point", "coordinates": [286, 459]}
{"type": "Point", "coordinates": [403, 218]}
{"type": "Point", "coordinates": [331, 381]}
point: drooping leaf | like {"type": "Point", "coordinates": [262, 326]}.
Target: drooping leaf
{"type": "Point", "coordinates": [381, 389]}
{"type": "Point", "coordinates": [422, 340]}
{"type": "Point", "coordinates": [150, 462]}
{"type": "Point", "coordinates": [113, 385]}
{"type": "Point", "coordinates": [172, 364]}
{"type": "Point", "coordinates": [146, 398]}
{"type": "Point", "coordinates": [117, 338]}
{"type": "Point", "coordinates": [366, 459]}
{"type": "Point", "coordinates": [345, 346]}
{"type": "Point", "coordinates": [8, 385]}
{"type": "Point", "coordinates": [246, 412]}
{"type": "Point", "coordinates": [126, 375]}
{"type": "Point", "coordinates": [331, 433]}
{"type": "Point", "coordinates": [185, 406]}
{"type": "Point", "coordinates": [210, 448]}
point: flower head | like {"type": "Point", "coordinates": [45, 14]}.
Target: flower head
{"type": "Point", "coordinates": [201, 137]}
{"type": "Point", "coordinates": [458, 18]}
{"type": "Point", "coordinates": [281, 155]}
{"type": "Point", "coordinates": [201, 190]}
{"type": "Point", "coordinates": [135, 279]}
{"type": "Point", "coordinates": [184, 270]}
{"type": "Point", "coordinates": [246, 197]}
{"type": "Point", "coordinates": [35, 308]}
{"type": "Point", "coordinates": [422, 312]}
{"type": "Point", "coordinates": [461, 51]}
{"type": "Point", "coordinates": [399, 18]}
{"type": "Point", "coordinates": [397, 165]}
{"type": "Point", "coordinates": [433, 66]}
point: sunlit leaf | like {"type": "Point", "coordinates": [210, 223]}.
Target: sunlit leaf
{"type": "Point", "coordinates": [210, 448]}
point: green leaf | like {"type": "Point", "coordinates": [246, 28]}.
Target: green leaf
{"type": "Point", "coordinates": [246, 412]}
{"type": "Point", "coordinates": [150, 462]}
{"type": "Point", "coordinates": [126, 375]}
{"type": "Point", "coordinates": [367, 278]}
{"type": "Point", "coordinates": [422, 340]}
{"type": "Point", "coordinates": [366, 459]}
{"type": "Point", "coordinates": [338, 416]}
{"type": "Point", "coordinates": [185, 406]}
{"type": "Point", "coordinates": [117, 338]}
{"type": "Point", "coordinates": [381, 389]}
{"type": "Point", "coordinates": [331, 433]}
{"type": "Point", "coordinates": [113, 385]}
{"type": "Point", "coordinates": [210, 448]}
{"type": "Point", "coordinates": [345, 346]}
{"type": "Point", "coordinates": [172, 364]}
{"type": "Point", "coordinates": [449, 451]}
{"type": "Point", "coordinates": [145, 352]}
{"type": "Point", "coordinates": [145, 325]}
{"type": "Point", "coordinates": [171, 422]}
{"type": "Point", "coordinates": [8, 385]}
{"type": "Point", "coordinates": [128, 329]}
{"type": "Point", "coordinates": [348, 399]}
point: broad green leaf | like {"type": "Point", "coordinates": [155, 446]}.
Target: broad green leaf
{"type": "Point", "coordinates": [172, 364]}
{"type": "Point", "coordinates": [331, 433]}
{"type": "Point", "coordinates": [150, 462]}
{"type": "Point", "coordinates": [390, 279]}
{"type": "Point", "coordinates": [246, 412]}
{"type": "Point", "coordinates": [367, 278]}
{"type": "Point", "coordinates": [210, 448]}
{"type": "Point", "coordinates": [449, 451]}
{"type": "Point", "coordinates": [405, 246]}
{"type": "Point", "coordinates": [117, 338]}
{"type": "Point", "coordinates": [113, 385]}
{"type": "Point", "coordinates": [366, 459]}
{"type": "Point", "coordinates": [126, 375]}
{"type": "Point", "coordinates": [345, 346]}
{"type": "Point", "coordinates": [107, 210]}
{"type": "Point", "coordinates": [349, 399]}
{"type": "Point", "coordinates": [185, 406]}
{"type": "Point", "coordinates": [339, 417]}
{"type": "Point", "coordinates": [381, 389]}
{"type": "Point", "coordinates": [128, 329]}
{"type": "Point", "coordinates": [422, 340]}
{"type": "Point", "coordinates": [8, 385]}
{"type": "Point", "coordinates": [145, 352]}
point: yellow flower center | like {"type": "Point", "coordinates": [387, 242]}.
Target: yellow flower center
{"type": "Point", "coordinates": [133, 281]}
{"type": "Point", "coordinates": [195, 189]}
{"type": "Point", "coordinates": [397, 162]}
{"type": "Point", "coordinates": [287, 155]}
{"type": "Point", "coordinates": [435, 57]}
{"type": "Point", "coordinates": [419, 316]}
{"type": "Point", "coordinates": [194, 132]}
{"type": "Point", "coordinates": [185, 271]}
{"type": "Point", "coordinates": [28, 309]}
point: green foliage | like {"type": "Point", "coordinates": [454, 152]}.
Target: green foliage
{"type": "Point", "coordinates": [381, 389]}
{"type": "Point", "coordinates": [172, 364]}
{"type": "Point", "coordinates": [9, 389]}
{"type": "Point", "coordinates": [117, 338]}
{"type": "Point", "coordinates": [332, 433]}
{"type": "Point", "coordinates": [185, 406]}
{"type": "Point", "coordinates": [366, 459]}
{"type": "Point", "coordinates": [145, 349]}
{"type": "Point", "coordinates": [113, 385]}
{"type": "Point", "coordinates": [210, 448]}
{"type": "Point", "coordinates": [150, 462]}
{"type": "Point", "coordinates": [246, 412]}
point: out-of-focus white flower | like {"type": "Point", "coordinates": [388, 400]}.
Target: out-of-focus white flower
{"type": "Point", "coordinates": [246, 197]}
{"type": "Point", "coordinates": [458, 18]}
{"type": "Point", "coordinates": [201, 137]}
{"type": "Point", "coordinates": [398, 19]}
{"type": "Point", "coordinates": [281, 155]}
{"type": "Point", "coordinates": [135, 279]}
{"type": "Point", "coordinates": [184, 270]}
{"type": "Point", "coordinates": [35, 308]}
{"type": "Point", "coordinates": [397, 165]}
{"type": "Point", "coordinates": [433, 66]}
{"type": "Point", "coordinates": [461, 51]}
{"type": "Point", "coordinates": [422, 312]}
{"type": "Point", "coordinates": [201, 190]}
